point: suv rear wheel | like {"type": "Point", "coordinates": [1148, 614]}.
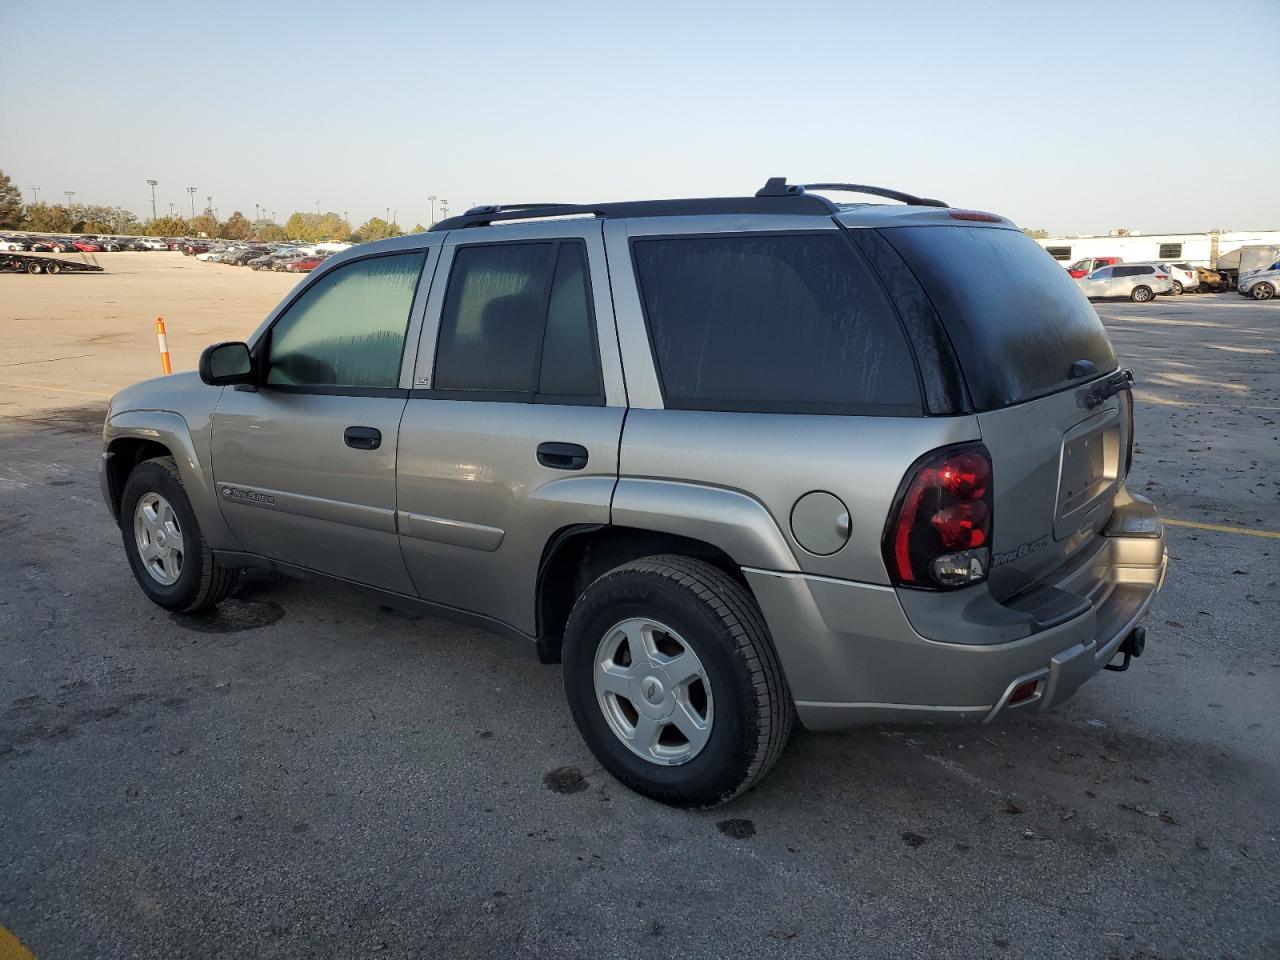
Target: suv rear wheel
{"type": "Point", "coordinates": [674, 682]}
{"type": "Point", "coordinates": [1262, 291]}
{"type": "Point", "coordinates": [1141, 294]}
{"type": "Point", "coordinates": [170, 558]}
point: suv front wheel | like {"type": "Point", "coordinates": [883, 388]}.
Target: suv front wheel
{"type": "Point", "coordinates": [674, 682]}
{"type": "Point", "coordinates": [170, 558]}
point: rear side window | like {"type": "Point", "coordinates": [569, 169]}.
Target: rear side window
{"type": "Point", "coordinates": [517, 324]}
{"type": "Point", "coordinates": [1017, 320]}
{"type": "Point", "coordinates": [783, 323]}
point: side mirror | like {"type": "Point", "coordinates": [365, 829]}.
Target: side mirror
{"type": "Point", "coordinates": [226, 363]}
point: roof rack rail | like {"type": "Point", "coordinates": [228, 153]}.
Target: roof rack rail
{"type": "Point", "coordinates": [778, 187]}
{"type": "Point", "coordinates": [793, 202]}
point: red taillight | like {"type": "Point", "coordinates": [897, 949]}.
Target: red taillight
{"type": "Point", "coordinates": [1162, 276]}
{"type": "Point", "coordinates": [978, 215]}
{"type": "Point", "coordinates": [939, 533]}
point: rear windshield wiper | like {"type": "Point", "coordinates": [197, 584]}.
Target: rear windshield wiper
{"type": "Point", "coordinates": [1104, 389]}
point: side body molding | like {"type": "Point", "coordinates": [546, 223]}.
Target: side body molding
{"type": "Point", "coordinates": [190, 450]}
{"type": "Point", "coordinates": [738, 524]}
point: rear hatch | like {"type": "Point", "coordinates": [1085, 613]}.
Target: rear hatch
{"type": "Point", "coordinates": [1036, 362]}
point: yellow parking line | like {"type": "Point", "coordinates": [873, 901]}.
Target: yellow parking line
{"type": "Point", "coordinates": [11, 947]}
{"type": "Point", "coordinates": [1222, 528]}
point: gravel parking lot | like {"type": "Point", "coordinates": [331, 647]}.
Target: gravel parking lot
{"type": "Point", "coordinates": [309, 773]}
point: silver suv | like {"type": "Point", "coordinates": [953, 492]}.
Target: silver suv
{"type": "Point", "coordinates": [733, 461]}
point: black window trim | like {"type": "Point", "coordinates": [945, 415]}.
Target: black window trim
{"type": "Point", "coordinates": [800, 409]}
{"type": "Point", "coordinates": [262, 349]}
{"type": "Point", "coordinates": [522, 396]}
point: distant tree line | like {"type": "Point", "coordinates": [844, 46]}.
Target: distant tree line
{"type": "Point", "coordinates": [93, 218]}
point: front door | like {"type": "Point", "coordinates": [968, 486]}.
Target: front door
{"type": "Point", "coordinates": [1098, 283]}
{"type": "Point", "coordinates": [511, 433]}
{"type": "Point", "coordinates": [305, 463]}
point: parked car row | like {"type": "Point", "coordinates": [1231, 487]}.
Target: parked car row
{"type": "Point", "coordinates": [1107, 277]}
{"type": "Point", "coordinates": [259, 256]}
{"type": "Point", "coordinates": [82, 243]}
{"type": "Point", "coordinates": [1104, 277]}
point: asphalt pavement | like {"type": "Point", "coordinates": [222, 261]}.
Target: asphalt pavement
{"type": "Point", "coordinates": [308, 773]}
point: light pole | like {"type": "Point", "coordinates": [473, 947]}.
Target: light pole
{"type": "Point", "coordinates": [317, 208]}
{"type": "Point", "coordinates": [444, 209]}
{"type": "Point", "coordinates": [387, 215]}
{"type": "Point", "coordinates": [35, 193]}
{"type": "Point", "coordinates": [432, 198]}
{"type": "Point", "coordinates": [68, 194]}
{"type": "Point", "coordinates": [192, 192]}
{"type": "Point", "coordinates": [255, 213]}
{"type": "Point", "coordinates": [152, 184]}
{"type": "Point", "coordinates": [170, 208]}
{"type": "Point", "coordinates": [210, 201]}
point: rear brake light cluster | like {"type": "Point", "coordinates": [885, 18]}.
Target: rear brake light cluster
{"type": "Point", "coordinates": [1162, 276]}
{"type": "Point", "coordinates": [939, 533]}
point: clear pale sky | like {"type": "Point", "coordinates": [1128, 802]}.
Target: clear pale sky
{"type": "Point", "coordinates": [1073, 117]}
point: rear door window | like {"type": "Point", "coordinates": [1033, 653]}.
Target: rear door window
{"type": "Point", "coordinates": [517, 325]}
{"type": "Point", "coordinates": [1016, 319]}
{"type": "Point", "coordinates": [778, 323]}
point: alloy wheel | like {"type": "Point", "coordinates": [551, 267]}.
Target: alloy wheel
{"type": "Point", "coordinates": [654, 691]}
{"type": "Point", "coordinates": [159, 538]}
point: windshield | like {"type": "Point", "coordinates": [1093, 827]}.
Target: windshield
{"type": "Point", "coordinates": [1017, 320]}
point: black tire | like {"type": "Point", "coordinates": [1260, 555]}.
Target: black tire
{"type": "Point", "coordinates": [203, 582]}
{"type": "Point", "coordinates": [1177, 289]}
{"type": "Point", "coordinates": [33, 267]}
{"type": "Point", "coordinates": [717, 617]}
{"type": "Point", "coordinates": [1262, 291]}
{"type": "Point", "coordinates": [1142, 295]}
{"type": "Point", "coordinates": [53, 269]}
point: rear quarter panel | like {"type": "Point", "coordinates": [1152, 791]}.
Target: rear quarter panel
{"type": "Point", "coordinates": [775, 459]}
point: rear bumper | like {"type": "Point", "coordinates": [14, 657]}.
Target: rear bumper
{"type": "Point", "coordinates": [853, 655]}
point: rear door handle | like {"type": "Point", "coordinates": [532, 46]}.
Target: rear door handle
{"type": "Point", "coordinates": [562, 456]}
{"type": "Point", "coordinates": [362, 438]}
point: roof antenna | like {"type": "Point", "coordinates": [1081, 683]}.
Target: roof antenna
{"type": "Point", "coordinates": [778, 187]}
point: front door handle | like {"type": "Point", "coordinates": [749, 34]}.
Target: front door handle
{"type": "Point", "coordinates": [562, 456]}
{"type": "Point", "coordinates": [362, 438]}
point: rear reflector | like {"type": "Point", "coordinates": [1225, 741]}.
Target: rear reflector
{"type": "Point", "coordinates": [1023, 691]}
{"type": "Point", "coordinates": [977, 215]}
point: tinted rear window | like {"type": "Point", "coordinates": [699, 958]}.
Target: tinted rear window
{"type": "Point", "coordinates": [1017, 319]}
{"type": "Point", "coordinates": [782, 323]}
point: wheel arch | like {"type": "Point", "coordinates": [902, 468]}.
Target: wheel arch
{"type": "Point", "coordinates": [576, 555]}
{"type": "Point", "coordinates": [135, 436]}
{"type": "Point", "coordinates": [123, 456]}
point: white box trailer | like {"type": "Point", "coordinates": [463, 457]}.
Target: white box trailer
{"type": "Point", "coordinates": [1250, 258]}
{"type": "Point", "coordinates": [1197, 249]}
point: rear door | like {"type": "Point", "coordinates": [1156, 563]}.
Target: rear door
{"type": "Point", "coordinates": [1032, 348]}
{"type": "Point", "coordinates": [511, 431]}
